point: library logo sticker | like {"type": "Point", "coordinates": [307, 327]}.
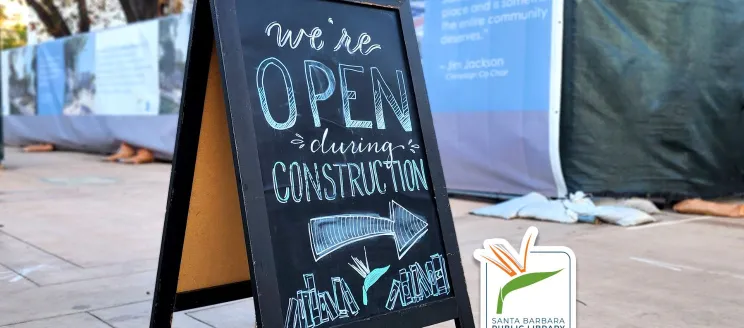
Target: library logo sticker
{"type": "Point", "coordinates": [532, 288]}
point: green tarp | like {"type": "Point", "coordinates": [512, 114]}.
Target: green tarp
{"type": "Point", "coordinates": [653, 98]}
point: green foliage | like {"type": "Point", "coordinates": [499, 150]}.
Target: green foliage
{"type": "Point", "coordinates": [11, 36]}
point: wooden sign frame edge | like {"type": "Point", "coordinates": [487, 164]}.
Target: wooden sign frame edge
{"type": "Point", "coordinates": [167, 299]}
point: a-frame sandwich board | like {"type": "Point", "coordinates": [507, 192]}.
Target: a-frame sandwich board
{"type": "Point", "coordinates": [296, 244]}
{"type": "Point", "coordinates": [203, 258]}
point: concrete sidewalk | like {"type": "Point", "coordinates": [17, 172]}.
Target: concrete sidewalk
{"type": "Point", "coordinates": [79, 241]}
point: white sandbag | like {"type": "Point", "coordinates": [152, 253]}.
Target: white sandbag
{"type": "Point", "coordinates": [622, 216]}
{"type": "Point", "coordinates": [579, 203]}
{"type": "Point", "coordinates": [640, 204]}
{"type": "Point", "coordinates": [509, 209]}
{"type": "Point", "coordinates": [549, 211]}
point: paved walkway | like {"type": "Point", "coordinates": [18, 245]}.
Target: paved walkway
{"type": "Point", "coordinates": [79, 242]}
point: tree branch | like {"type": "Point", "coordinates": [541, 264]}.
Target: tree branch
{"type": "Point", "coordinates": [128, 9]}
{"type": "Point", "coordinates": [50, 17]}
{"type": "Point", "coordinates": [84, 21]}
{"type": "Point", "coordinates": [137, 10]}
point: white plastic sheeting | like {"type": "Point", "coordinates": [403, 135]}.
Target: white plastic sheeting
{"type": "Point", "coordinates": [99, 134]}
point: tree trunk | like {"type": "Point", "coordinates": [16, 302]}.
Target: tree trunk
{"type": "Point", "coordinates": [84, 21]}
{"type": "Point", "coordinates": [50, 17]}
{"type": "Point", "coordinates": [129, 13]}
{"type": "Point", "coordinates": [137, 10]}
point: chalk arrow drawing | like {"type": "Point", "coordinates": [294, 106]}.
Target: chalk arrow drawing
{"type": "Point", "coordinates": [330, 233]}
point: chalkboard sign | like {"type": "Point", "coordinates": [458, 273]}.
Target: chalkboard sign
{"type": "Point", "coordinates": [352, 215]}
{"type": "Point", "coordinates": [337, 170]}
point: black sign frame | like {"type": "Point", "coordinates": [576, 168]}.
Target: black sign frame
{"type": "Point", "coordinates": [166, 298]}
{"type": "Point", "coordinates": [225, 36]}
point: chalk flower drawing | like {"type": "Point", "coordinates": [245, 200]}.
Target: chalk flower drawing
{"type": "Point", "coordinates": [511, 265]}
{"type": "Point", "coordinates": [370, 277]}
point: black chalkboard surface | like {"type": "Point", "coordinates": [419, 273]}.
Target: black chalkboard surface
{"type": "Point", "coordinates": [340, 183]}
{"type": "Point", "coordinates": [353, 221]}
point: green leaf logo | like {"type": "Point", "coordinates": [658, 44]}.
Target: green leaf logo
{"type": "Point", "coordinates": [520, 282]}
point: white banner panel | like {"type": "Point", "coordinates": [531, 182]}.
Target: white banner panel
{"type": "Point", "coordinates": [127, 70]}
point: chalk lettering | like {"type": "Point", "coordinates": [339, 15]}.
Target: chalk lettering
{"type": "Point", "coordinates": [351, 179]}
{"type": "Point", "coordinates": [364, 39]}
{"type": "Point", "coordinates": [347, 95]}
{"type": "Point", "coordinates": [389, 165]}
{"type": "Point", "coordinates": [292, 179]}
{"type": "Point", "coordinates": [291, 103]}
{"type": "Point", "coordinates": [402, 180]}
{"type": "Point", "coordinates": [408, 171]}
{"type": "Point", "coordinates": [372, 178]}
{"type": "Point", "coordinates": [330, 83]}
{"type": "Point", "coordinates": [333, 184]}
{"type": "Point", "coordinates": [283, 38]}
{"type": "Point", "coordinates": [321, 84]}
{"type": "Point", "coordinates": [383, 189]}
{"type": "Point", "coordinates": [420, 174]}
{"type": "Point", "coordinates": [312, 181]}
{"type": "Point", "coordinates": [381, 89]}
{"type": "Point", "coordinates": [354, 147]}
{"type": "Point", "coordinates": [340, 177]}
{"type": "Point", "coordinates": [280, 198]}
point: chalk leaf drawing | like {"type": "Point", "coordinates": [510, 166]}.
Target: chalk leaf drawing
{"type": "Point", "coordinates": [417, 284]}
{"type": "Point", "coordinates": [370, 277]}
{"type": "Point", "coordinates": [412, 146]}
{"type": "Point", "coordinates": [330, 233]}
{"type": "Point", "coordinates": [312, 307]}
{"type": "Point", "coordinates": [299, 141]}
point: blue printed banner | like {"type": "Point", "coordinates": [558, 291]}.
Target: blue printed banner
{"type": "Point", "coordinates": [80, 82]}
{"type": "Point", "coordinates": [50, 76]}
{"type": "Point", "coordinates": [488, 55]}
